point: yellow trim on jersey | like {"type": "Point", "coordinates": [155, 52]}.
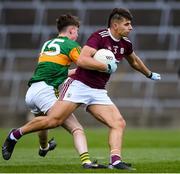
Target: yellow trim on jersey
{"type": "Point", "coordinates": [59, 59]}
{"type": "Point", "coordinates": [74, 54]}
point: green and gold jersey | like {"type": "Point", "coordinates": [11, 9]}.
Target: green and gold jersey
{"type": "Point", "coordinates": [54, 60]}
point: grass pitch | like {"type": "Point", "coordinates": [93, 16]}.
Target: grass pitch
{"type": "Point", "coordinates": [149, 150]}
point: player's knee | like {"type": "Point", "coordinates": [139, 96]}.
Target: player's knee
{"type": "Point", "coordinates": [120, 123]}
{"type": "Point", "coordinates": [123, 123]}
{"type": "Point", "coordinates": [53, 122]}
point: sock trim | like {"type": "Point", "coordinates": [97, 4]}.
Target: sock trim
{"type": "Point", "coordinates": [84, 157]}
{"type": "Point", "coordinates": [20, 131]}
{"type": "Point", "coordinates": [12, 137]}
{"type": "Point", "coordinates": [116, 162]}
{"type": "Point", "coordinates": [45, 148]}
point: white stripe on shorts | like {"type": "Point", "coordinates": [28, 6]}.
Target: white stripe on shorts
{"type": "Point", "coordinates": [64, 87]}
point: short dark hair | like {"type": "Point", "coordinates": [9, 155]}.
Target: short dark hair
{"type": "Point", "coordinates": [66, 20]}
{"type": "Point", "coordinates": [119, 13]}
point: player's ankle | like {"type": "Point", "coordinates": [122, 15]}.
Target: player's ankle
{"type": "Point", "coordinates": [84, 157]}
{"type": "Point", "coordinates": [87, 162]}
{"type": "Point", "coordinates": [45, 148]}
{"type": "Point", "coordinates": [115, 159]}
{"type": "Point", "coordinates": [16, 134]}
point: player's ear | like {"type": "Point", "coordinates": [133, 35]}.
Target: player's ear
{"type": "Point", "coordinates": [71, 31]}
{"type": "Point", "coordinates": [115, 25]}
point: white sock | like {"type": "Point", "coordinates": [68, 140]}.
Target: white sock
{"type": "Point", "coordinates": [45, 148]}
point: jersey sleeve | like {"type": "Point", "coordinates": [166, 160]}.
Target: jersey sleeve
{"type": "Point", "coordinates": [74, 51]}
{"type": "Point", "coordinates": [94, 41]}
{"type": "Point", "coordinates": [74, 54]}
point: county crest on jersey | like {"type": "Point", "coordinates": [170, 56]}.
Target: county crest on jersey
{"type": "Point", "coordinates": [103, 39]}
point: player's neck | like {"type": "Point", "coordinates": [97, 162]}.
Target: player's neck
{"type": "Point", "coordinates": [113, 35]}
{"type": "Point", "coordinates": [63, 35]}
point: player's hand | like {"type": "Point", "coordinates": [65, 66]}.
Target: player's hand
{"type": "Point", "coordinates": [111, 67]}
{"type": "Point", "coordinates": [154, 76]}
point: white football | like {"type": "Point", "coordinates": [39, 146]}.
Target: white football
{"type": "Point", "coordinates": [105, 56]}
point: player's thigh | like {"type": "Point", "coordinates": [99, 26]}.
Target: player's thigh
{"type": "Point", "coordinates": [71, 124]}
{"type": "Point", "coordinates": [108, 114]}
{"type": "Point", "coordinates": [60, 111]}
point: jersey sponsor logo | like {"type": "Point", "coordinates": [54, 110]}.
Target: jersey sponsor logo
{"type": "Point", "coordinates": [115, 48]}
{"type": "Point", "coordinates": [122, 51]}
{"type": "Point", "coordinates": [104, 33]}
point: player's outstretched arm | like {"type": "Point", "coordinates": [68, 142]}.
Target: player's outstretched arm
{"type": "Point", "coordinates": [138, 65]}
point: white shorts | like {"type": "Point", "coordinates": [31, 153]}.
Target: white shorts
{"type": "Point", "coordinates": [40, 97]}
{"type": "Point", "coordinates": [77, 92]}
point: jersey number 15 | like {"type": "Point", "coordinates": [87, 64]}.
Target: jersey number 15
{"type": "Point", "coordinates": [53, 47]}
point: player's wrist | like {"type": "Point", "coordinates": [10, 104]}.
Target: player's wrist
{"type": "Point", "coordinates": [154, 76]}
{"type": "Point", "coordinates": [149, 75]}
{"type": "Point", "coordinates": [103, 67]}
{"type": "Point", "coordinates": [109, 69]}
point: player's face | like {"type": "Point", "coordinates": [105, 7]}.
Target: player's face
{"type": "Point", "coordinates": [123, 27]}
{"type": "Point", "coordinates": [74, 32]}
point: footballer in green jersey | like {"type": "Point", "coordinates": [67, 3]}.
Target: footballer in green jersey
{"type": "Point", "coordinates": [54, 60]}
{"type": "Point", "coordinates": [52, 69]}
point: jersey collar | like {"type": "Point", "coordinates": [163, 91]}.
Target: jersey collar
{"type": "Point", "coordinates": [65, 37]}
{"type": "Point", "coordinates": [109, 31]}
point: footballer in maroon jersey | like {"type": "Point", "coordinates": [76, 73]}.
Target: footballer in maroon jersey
{"type": "Point", "coordinates": [115, 39]}
{"type": "Point", "coordinates": [103, 39]}
{"type": "Point", "coordinates": [87, 87]}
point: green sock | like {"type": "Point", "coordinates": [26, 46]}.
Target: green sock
{"type": "Point", "coordinates": [85, 158]}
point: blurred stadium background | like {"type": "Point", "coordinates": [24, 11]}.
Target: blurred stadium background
{"type": "Point", "coordinates": [26, 24]}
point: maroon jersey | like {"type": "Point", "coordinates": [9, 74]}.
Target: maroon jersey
{"type": "Point", "coordinates": [103, 39]}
